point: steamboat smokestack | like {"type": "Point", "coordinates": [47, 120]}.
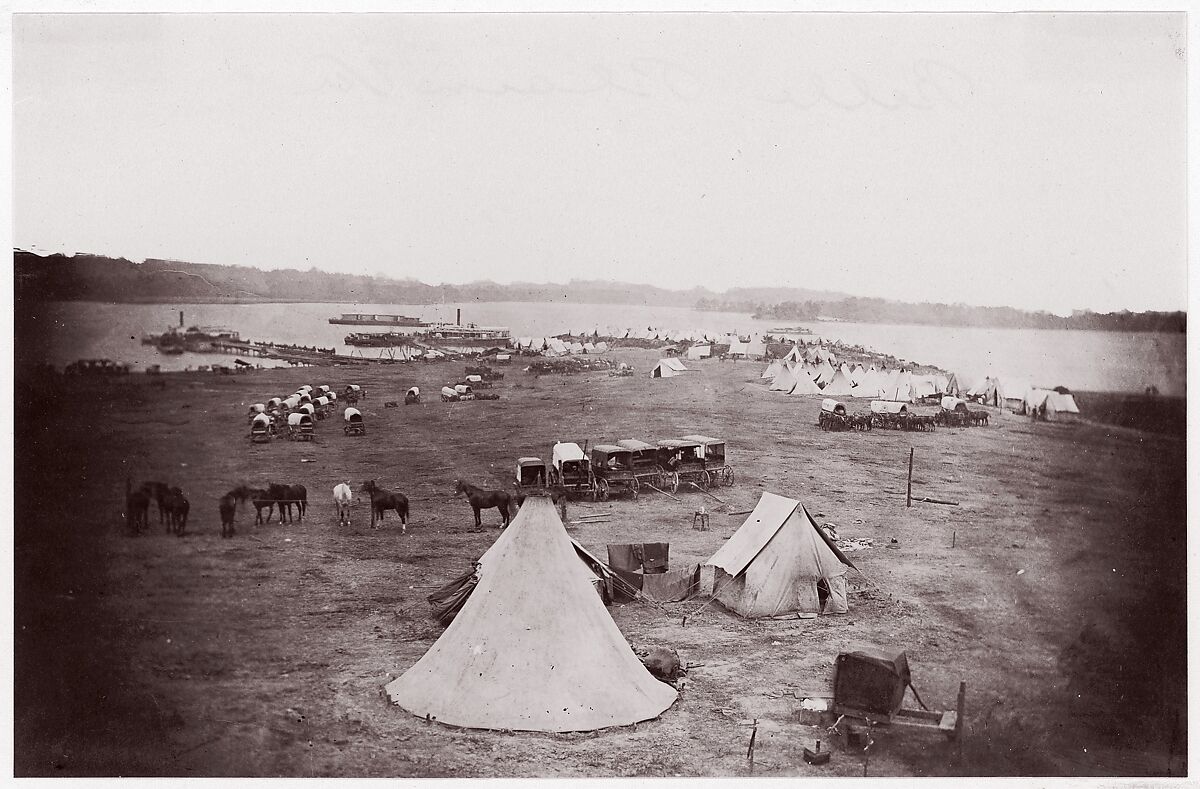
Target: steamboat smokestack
{"type": "Point", "coordinates": [181, 319]}
{"type": "Point", "coordinates": [458, 317]}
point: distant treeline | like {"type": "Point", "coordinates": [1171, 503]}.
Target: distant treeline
{"type": "Point", "coordinates": [884, 311]}
{"type": "Point", "coordinates": [85, 277]}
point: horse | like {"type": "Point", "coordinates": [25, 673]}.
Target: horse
{"type": "Point", "coordinates": [137, 507]}
{"type": "Point", "coordinates": [342, 497]}
{"type": "Point", "coordinates": [286, 496]}
{"type": "Point", "coordinates": [228, 507]}
{"type": "Point", "coordinates": [260, 498]}
{"type": "Point", "coordinates": [481, 499]}
{"type": "Point", "coordinates": [159, 491]}
{"type": "Point", "coordinates": [177, 511]}
{"type": "Point", "coordinates": [384, 500]}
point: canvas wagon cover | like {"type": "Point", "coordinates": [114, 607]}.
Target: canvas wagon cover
{"type": "Point", "coordinates": [635, 445]}
{"type": "Point", "coordinates": [510, 661]}
{"type": "Point", "coordinates": [565, 452]}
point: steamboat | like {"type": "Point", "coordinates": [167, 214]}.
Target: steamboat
{"type": "Point", "coordinates": [375, 319]}
{"type": "Point", "coordinates": [195, 339]}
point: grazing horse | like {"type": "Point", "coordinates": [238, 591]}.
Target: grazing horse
{"type": "Point", "coordinates": [384, 500]}
{"type": "Point", "coordinates": [288, 495]}
{"type": "Point", "coordinates": [137, 507]}
{"type": "Point", "coordinates": [481, 499]}
{"type": "Point", "coordinates": [260, 498]}
{"type": "Point", "coordinates": [341, 499]}
{"type": "Point", "coordinates": [177, 511]}
{"type": "Point", "coordinates": [228, 507]}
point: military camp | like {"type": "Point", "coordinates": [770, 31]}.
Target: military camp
{"type": "Point", "coordinates": [601, 574]}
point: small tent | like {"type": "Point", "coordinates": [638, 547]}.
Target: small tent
{"type": "Point", "coordinates": [1056, 407]}
{"type": "Point", "coordinates": [511, 660]}
{"type": "Point", "coordinates": [776, 562]}
{"type": "Point", "coordinates": [772, 370]}
{"type": "Point", "coordinates": [667, 368]}
{"type": "Point", "coordinates": [756, 349]}
{"type": "Point", "coordinates": [794, 355]}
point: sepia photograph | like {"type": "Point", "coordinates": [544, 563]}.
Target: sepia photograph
{"type": "Point", "coordinates": [627, 395]}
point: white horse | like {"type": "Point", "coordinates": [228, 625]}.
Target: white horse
{"type": "Point", "coordinates": [341, 499]}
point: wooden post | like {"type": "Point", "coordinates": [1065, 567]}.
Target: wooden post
{"type": "Point", "coordinates": [959, 723]}
{"type": "Point", "coordinates": [750, 750]}
{"type": "Point", "coordinates": [910, 460]}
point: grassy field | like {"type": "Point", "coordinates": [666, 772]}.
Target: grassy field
{"type": "Point", "coordinates": [1055, 588]}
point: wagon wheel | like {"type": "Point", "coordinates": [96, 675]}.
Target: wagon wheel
{"type": "Point", "coordinates": [634, 486]}
{"type": "Point", "coordinates": [673, 481]}
{"type": "Point", "coordinates": [727, 476]}
{"type": "Point", "coordinates": [705, 479]}
{"type": "Point", "coordinates": [601, 491]}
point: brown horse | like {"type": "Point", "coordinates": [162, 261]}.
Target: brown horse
{"type": "Point", "coordinates": [228, 507]}
{"type": "Point", "coordinates": [481, 499]}
{"type": "Point", "coordinates": [287, 496]}
{"type": "Point", "coordinates": [137, 507]}
{"type": "Point", "coordinates": [177, 511]}
{"type": "Point", "coordinates": [159, 492]}
{"type": "Point", "coordinates": [384, 500]}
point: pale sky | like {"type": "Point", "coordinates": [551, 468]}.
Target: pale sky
{"type": "Point", "coordinates": [1035, 161]}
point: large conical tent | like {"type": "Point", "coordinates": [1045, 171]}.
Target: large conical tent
{"type": "Point", "coordinates": [534, 648]}
{"type": "Point", "coordinates": [784, 381]}
{"type": "Point", "coordinates": [838, 386]}
{"type": "Point", "coordinates": [774, 562]}
{"type": "Point", "coordinates": [804, 384]}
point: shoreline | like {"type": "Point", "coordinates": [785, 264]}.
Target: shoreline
{"type": "Point", "coordinates": [174, 300]}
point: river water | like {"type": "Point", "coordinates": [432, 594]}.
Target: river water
{"type": "Point", "coordinates": [61, 332]}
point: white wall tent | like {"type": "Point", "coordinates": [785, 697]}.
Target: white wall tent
{"type": "Point", "coordinates": [533, 648]}
{"type": "Point", "coordinates": [1058, 407]}
{"type": "Point", "coordinates": [774, 561]}
{"type": "Point", "coordinates": [699, 352]}
{"type": "Point", "coordinates": [663, 369]}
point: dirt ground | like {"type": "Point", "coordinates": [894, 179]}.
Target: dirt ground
{"type": "Point", "coordinates": [1055, 589]}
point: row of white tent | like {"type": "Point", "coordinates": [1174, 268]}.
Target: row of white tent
{"type": "Point", "coordinates": [845, 381]}
{"type": "Point", "coordinates": [1020, 397]}
{"type": "Point", "coordinates": [552, 346]}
